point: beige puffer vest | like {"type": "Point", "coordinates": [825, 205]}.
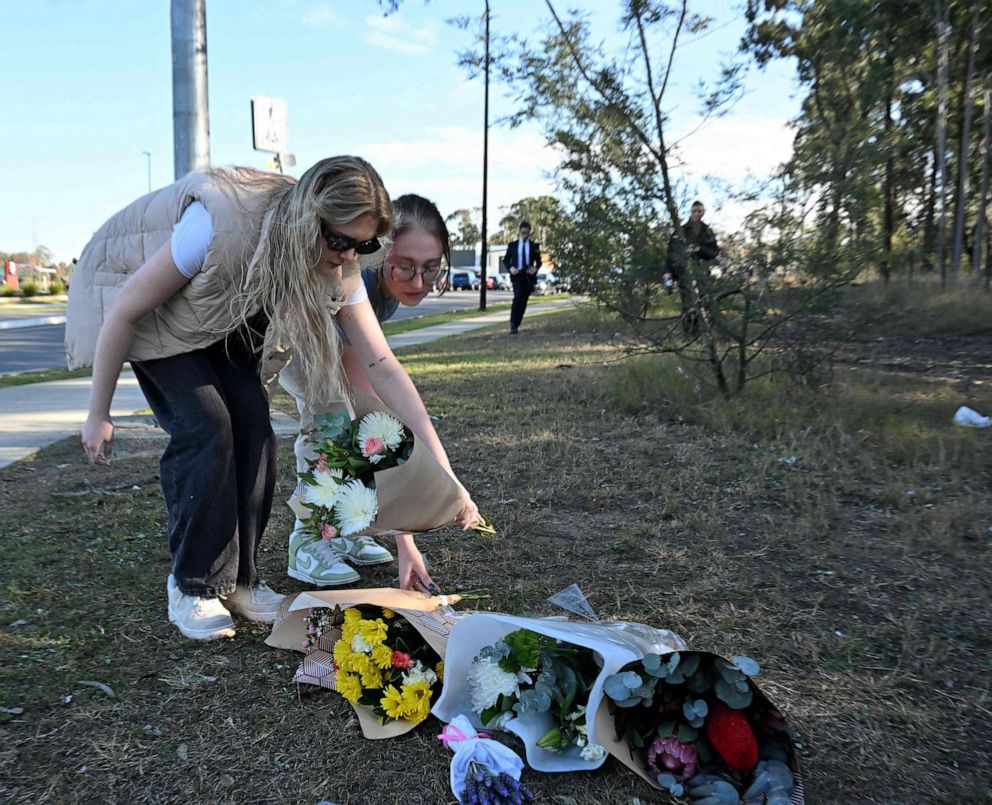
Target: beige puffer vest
{"type": "Point", "coordinates": [199, 314]}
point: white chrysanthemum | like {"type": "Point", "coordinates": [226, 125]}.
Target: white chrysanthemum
{"type": "Point", "coordinates": [419, 673]}
{"type": "Point", "coordinates": [487, 681]}
{"type": "Point", "coordinates": [593, 752]}
{"type": "Point", "coordinates": [360, 645]}
{"type": "Point", "coordinates": [356, 507]}
{"type": "Point", "coordinates": [325, 492]}
{"type": "Point", "coordinates": [381, 426]}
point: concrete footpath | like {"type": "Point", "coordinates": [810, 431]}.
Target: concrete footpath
{"type": "Point", "coordinates": [36, 415]}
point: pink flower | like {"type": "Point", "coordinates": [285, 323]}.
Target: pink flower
{"type": "Point", "coordinates": [327, 531]}
{"type": "Point", "coordinates": [401, 660]}
{"type": "Point", "coordinates": [311, 629]}
{"type": "Point", "coordinates": [672, 756]}
{"type": "Point", "coordinates": [321, 464]}
{"type": "Point", "coordinates": [373, 446]}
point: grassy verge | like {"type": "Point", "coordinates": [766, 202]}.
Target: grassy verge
{"type": "Point", "coordinates": [42, 376]}
{"type": "Point", "coordinates": [419, 322]}
{"type": "Point", "coordinates": [840, 539]}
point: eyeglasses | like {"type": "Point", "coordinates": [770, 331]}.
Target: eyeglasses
{"type": "Point", "coordinates": [342, 243]}
{"type": "Point", "coordinates": [405, 273]}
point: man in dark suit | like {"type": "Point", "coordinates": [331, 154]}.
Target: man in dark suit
{"type": "Point", "coordinates": [523, 257]}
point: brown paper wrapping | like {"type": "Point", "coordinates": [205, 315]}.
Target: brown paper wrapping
{"type": "Point", "coordinates": [422, 611]}
{"type": "Point", "coordinates": [606, 736]}
{"type": "Point", "coordinates": [417, 496]}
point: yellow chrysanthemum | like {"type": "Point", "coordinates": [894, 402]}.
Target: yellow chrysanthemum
{"type": "Point", "coordinates": [352, 615]}
{"type": "Point", "coordinates": [343, 656]}
{"type": "Point", "coordinates": [388, 614]}
{"type": "Point", "coordinates": [392, 702]}
{"type": "Point", "coordinates": [382, 656]}
{"type": "Point", "coordinates": [348, 632]}
{"type": "Point", "coordinates": [348, 686]}
{"type": "Point", "coordinates": [373, 631]}
{"type": "Point", "coordinates": [361, 663]}
{"type": "Point", "coordinates": [439, 669]}
{"type": "Point", "coordinates": [372, 678]}
{"type": "Point", "coordinates": [416, 701]}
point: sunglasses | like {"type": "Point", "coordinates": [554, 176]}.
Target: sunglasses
{"type": "Point", "coordinates": [342, 243]}
{"type": "Point", "coordinates": [405, 273]}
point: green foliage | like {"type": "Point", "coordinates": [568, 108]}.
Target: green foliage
{"type": "Point", "coordinates": [7, 291]}
{"type": "Point", "coordinates": [467, 233]}
{"type": "Point", "coordinates": [56, 287]}
{"type": "Point", "coordinates": [29, 289]}
{"type": "Point", "coordinates": [525, 649]}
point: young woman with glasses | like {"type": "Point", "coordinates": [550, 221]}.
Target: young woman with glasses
{"type": "Point", "coordinates": [209, 287]}
{"type": "Point", "coordinates": [416, 259]}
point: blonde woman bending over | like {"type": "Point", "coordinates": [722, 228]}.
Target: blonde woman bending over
{"type": "Point", "coordinates": [193, 284]}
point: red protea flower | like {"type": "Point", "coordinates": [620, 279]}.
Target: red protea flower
{"type": "Point", "coordinates": [732, 737]}
{"type": "Point", "coordinates": [672, 756]}
{"type": "Point", "coordinates": [401, 660]}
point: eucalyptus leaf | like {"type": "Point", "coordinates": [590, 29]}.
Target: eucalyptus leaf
{"type": "Point", "coordinates": [746, 665]}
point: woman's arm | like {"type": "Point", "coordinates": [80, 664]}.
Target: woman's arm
{"type": "Point", "coordinates": [394, 387]}
{"type": "Point", "coordinates": [146, 289]}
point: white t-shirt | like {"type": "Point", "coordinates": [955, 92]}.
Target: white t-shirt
{"type": "Point", "coordinates": [191, 237]}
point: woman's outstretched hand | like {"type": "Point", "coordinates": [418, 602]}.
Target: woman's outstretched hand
{"type": "Point", "coordinates": [413, 570]}
{"type": "Point", "coordinates": [98, 439]}
{"type": "Point", "coordinates": [469, 515]}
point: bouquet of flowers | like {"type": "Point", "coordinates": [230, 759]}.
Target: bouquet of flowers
{"type": "Point", "coordinates": [695, 724]}
{"type": "Point", "coordinates": [538, 678]}
{"type": "Point", "coordinates": [369, 473]}
{"type": "Point", "coordinates": [339, 484]}
{"type": "Point", "coordinates": [527, 672]}
{"type": "Point", "coordinates": [380, 662]}
{"type": "Point", "coordinates": [380, 649]}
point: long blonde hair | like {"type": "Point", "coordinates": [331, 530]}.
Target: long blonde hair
{"type": "Point", "coordinates": [282, 279]}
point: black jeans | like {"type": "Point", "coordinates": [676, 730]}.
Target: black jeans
{"type": "Point", "coordinates": [218, 471]}
{"type": "Point", "coordinates": [523, 284]}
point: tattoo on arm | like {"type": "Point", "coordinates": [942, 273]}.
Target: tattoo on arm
{"type": "Point", "coordinates": [371, 365]}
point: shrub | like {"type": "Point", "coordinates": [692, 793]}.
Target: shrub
{"type": "Point", "coordinates": [6, 290]}
{"type": "Point", "coordinates": [56, 288]}
{"type": "Point", "coordinates": [29, 288]}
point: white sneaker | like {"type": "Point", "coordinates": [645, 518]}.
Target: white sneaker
{"type": "Point", "coordinates": [260, 604]}
{"type": "Point", "coordinates": [315, 561]}
{"type": "Point", "coordinates": [198, 618]}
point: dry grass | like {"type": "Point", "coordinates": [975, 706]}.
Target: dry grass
{"type": "Point", "coordinates": [841, 539]}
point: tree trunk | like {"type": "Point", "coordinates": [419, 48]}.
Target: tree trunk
{"type": "Point", "coordinates": [929, 224]}
{"type": "Point", "coordinates": [942, 26]}
{"type": "Point", "coordinates": [960, 208]}
{"type": "Point", "coordinates": [976, 257]}
{"type": "Point", "coordinates": [888, 224]}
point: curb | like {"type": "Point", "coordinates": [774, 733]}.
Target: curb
{"type": "Point", "coordinates": [40, 321]}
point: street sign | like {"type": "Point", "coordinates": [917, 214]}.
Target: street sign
{"type": "Point", "coordinates": [269, 124]}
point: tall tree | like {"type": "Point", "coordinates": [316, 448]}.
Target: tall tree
{"type": "Point", "coordinates": [466, 233]}
{"type": "Point", "coordinates": [964, 165]}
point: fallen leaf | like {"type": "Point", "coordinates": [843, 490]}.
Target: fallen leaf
{"type": "Point", "coordinates": [183, 752]}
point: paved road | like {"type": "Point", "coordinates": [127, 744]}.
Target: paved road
{"type": "Point", "coordinates": [31, 349]}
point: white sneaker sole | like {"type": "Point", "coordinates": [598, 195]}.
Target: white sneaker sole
{"type": "Point", "coordinates": [255, 615]}
{"type": "Point", "coordinates": [202, 634]}
{"type": "Point", "coordinates": [299, 575]}
{"type": "Point", "coordinates": [368, 562]}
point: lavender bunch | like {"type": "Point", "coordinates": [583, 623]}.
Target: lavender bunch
{"type": "Point", "coordinates": [482, 787]}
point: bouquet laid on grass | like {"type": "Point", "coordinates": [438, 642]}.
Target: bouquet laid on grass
{"type": "Point", "coordinates": [526, 672]}
{"type": "Point", "coordinates": [378, 648]}
{"type": "Point", "coordinates": [695, 724]}
{"type": "Point", "coordinates": [339, 484]}
{"type": "Point", "coordinates": [380, 662]}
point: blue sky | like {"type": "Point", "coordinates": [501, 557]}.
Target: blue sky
{"type": "Point", "coordinates": [86, 87]}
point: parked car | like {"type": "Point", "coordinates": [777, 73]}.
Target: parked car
{"type": "Point", "coordinates": [502, 280]}
{"type": "Point", "coordinates": [464, 279]}
{"type": "Point", "coordinates": [544, 282]}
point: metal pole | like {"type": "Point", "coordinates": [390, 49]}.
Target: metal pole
{"type": "Point", "coordinates": [190, 117]}
{"type": "Point", "coordinates": [148, 155]}
{"type": "Point", "coordinates": [485, 175]}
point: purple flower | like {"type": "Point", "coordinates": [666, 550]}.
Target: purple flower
{"type": "Point", "coordinates": [672, 756]}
